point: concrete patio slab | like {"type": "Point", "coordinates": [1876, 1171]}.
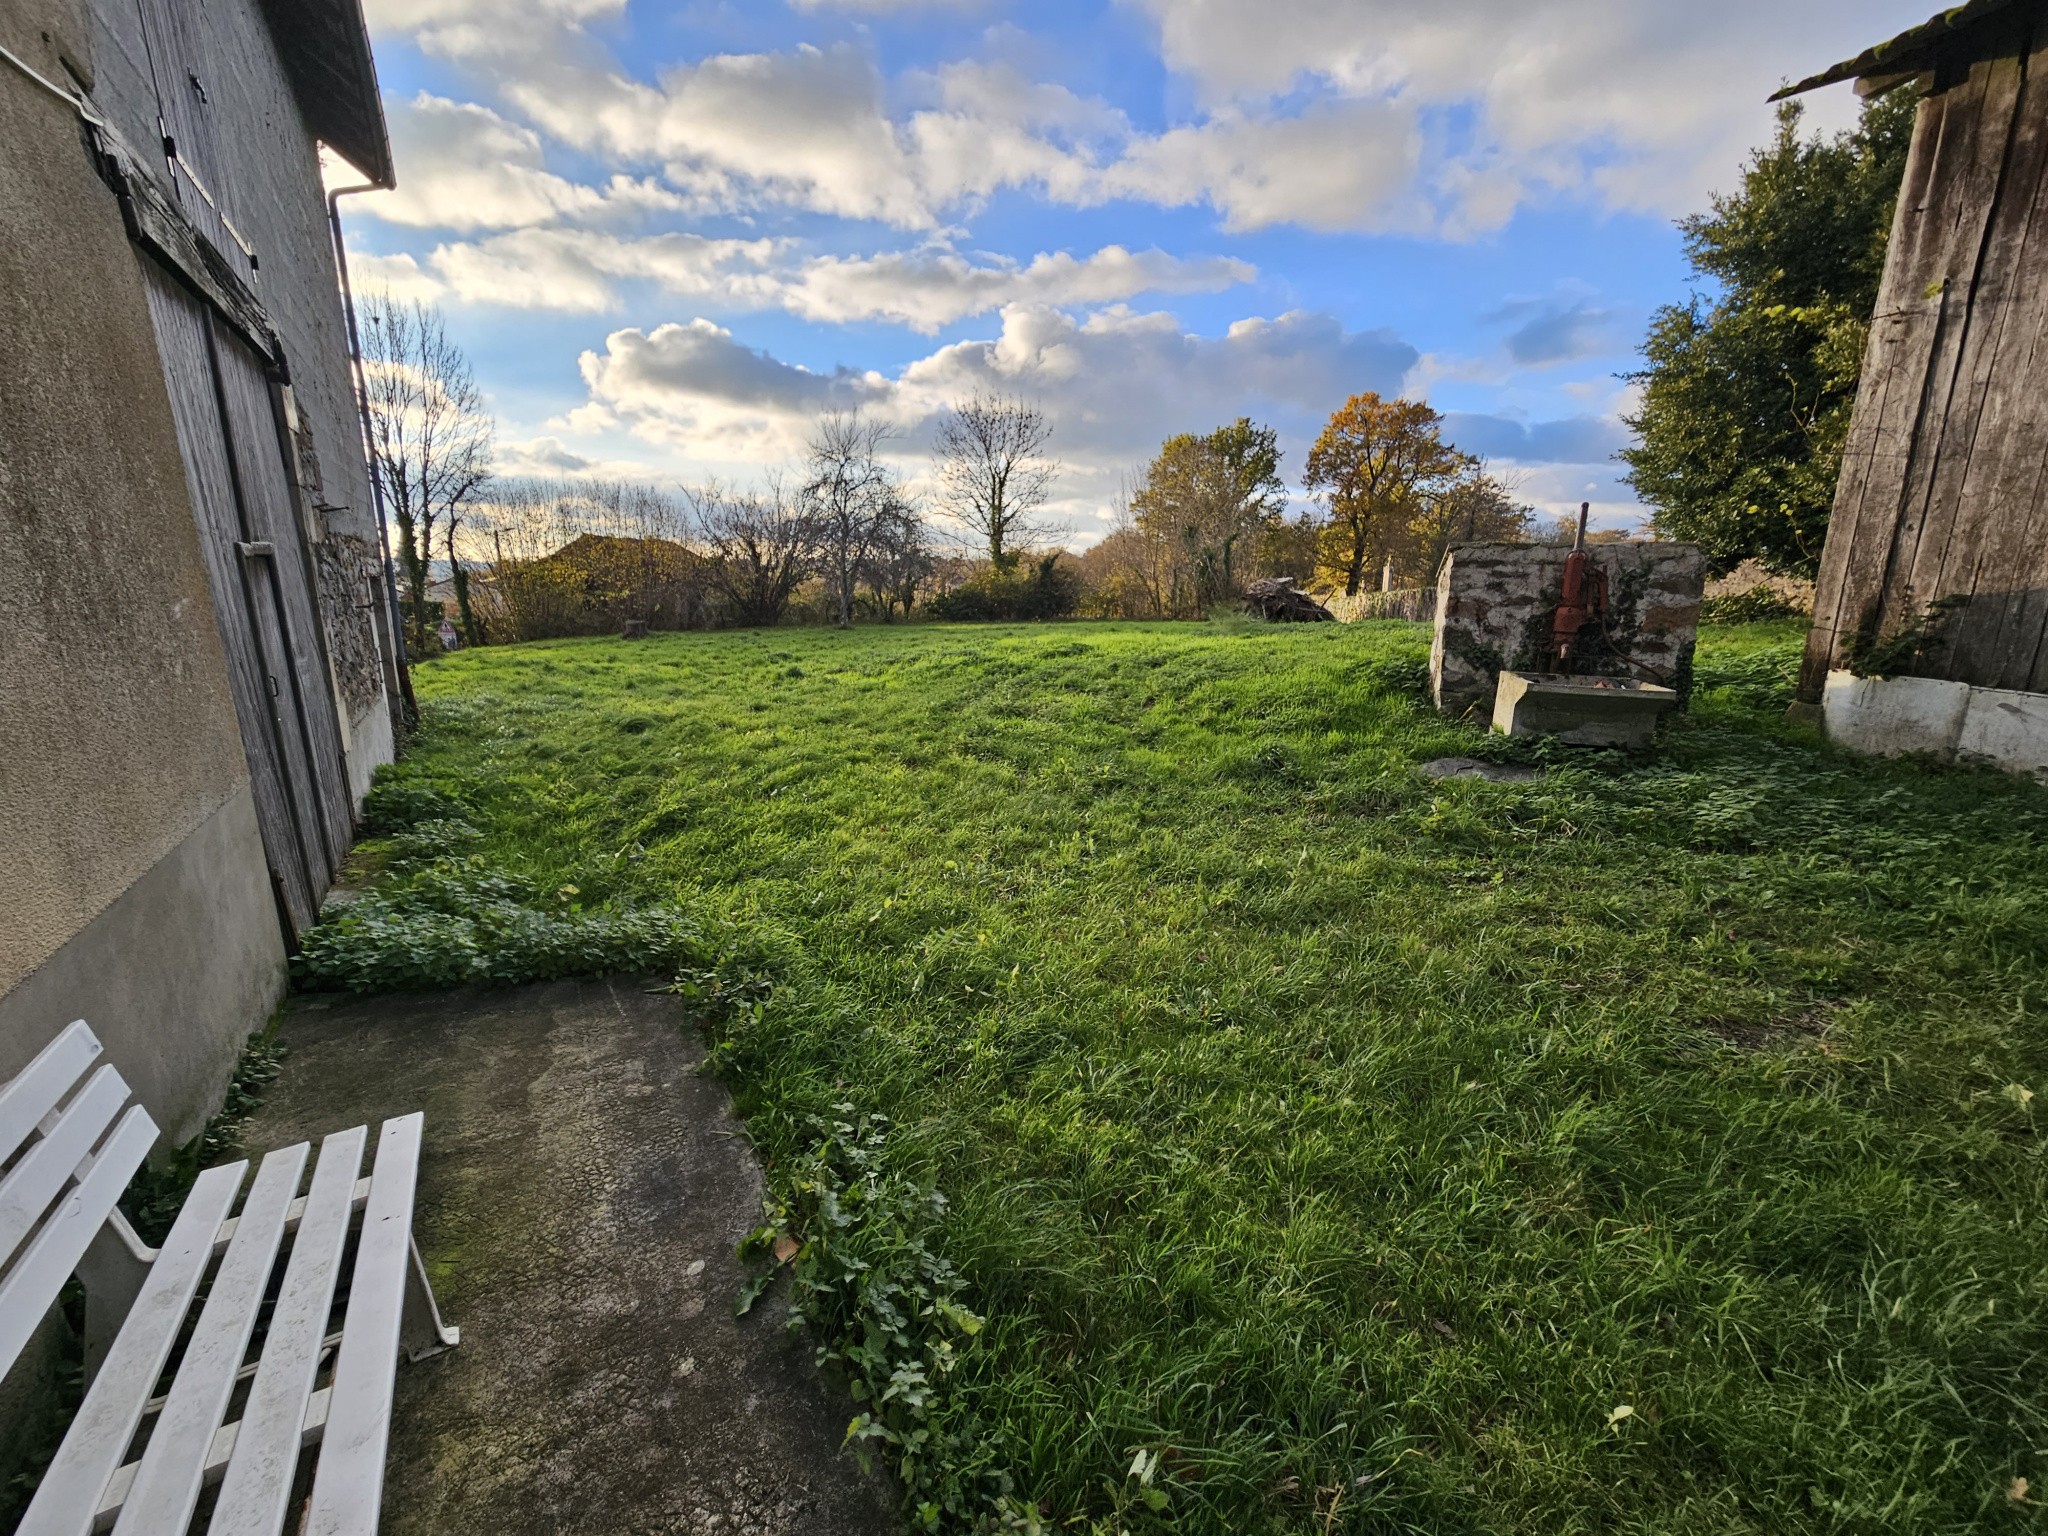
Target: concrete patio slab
{"type": "Point", "coordinates": [582, 1192]}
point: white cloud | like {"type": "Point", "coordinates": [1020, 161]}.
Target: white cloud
{"type": "Point", "coordinates": [1650, 104]}
{"type": "Point", "coordinates": [1115, 384]}
{"type": "Point", "coordinates": [466, 168]}
{"type": "Point", "coordinates": [580, 270]}
{"type": "Point", "coordinates": [1409, 115]}
{"type": "Point", "coordinates": [1344, 165]}
{"type": "Point", "coordinates": [929, 290]}
{"type": "Point", "coordinates": [460, 28]}
{"type": "Point", "coordinates": [806, 127]}
{"type": "Point", "coordinates": [401, 276]}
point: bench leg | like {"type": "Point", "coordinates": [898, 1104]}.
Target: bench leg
{"type": "Point", "coordinates": [112, 1270]}
{"type": "Point", "coordinates": [421, 1333]}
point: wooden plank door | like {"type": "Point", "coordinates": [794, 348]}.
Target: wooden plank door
{"type": "Point", "coordinates": [250, 563]}
{"type": "Point", "coordinates": [275, 513]}
{"type": "Point", "coordinates": [195, 168]}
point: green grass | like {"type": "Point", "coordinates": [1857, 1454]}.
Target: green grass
{"type": "Point", "coordinates": [1358, 1143]}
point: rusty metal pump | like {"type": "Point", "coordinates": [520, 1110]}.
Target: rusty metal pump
{"type": "Point", "coordinates": [1584, 604]}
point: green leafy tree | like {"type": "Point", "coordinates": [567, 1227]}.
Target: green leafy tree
{"type": "Point", "coordinates": [1205, 504]}
{"type": "Point", "coordinates": [1747, 395]}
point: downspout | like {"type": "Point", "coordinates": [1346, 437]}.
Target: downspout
{"type": "Point", "coordinates": [402, 716]}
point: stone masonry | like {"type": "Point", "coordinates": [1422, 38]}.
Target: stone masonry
{"type": "Point", "coordinates": [1495, 604]}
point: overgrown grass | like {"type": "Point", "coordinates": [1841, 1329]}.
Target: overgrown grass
{"type": "Point", "coordinates": [1651, 1147]}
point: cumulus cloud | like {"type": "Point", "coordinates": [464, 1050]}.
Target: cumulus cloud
{"type": "Point", "coordinates": [1413, 115]}
{"type": "Point", "coordinates": [807, 127]}
{"type": "Point", "coordinates": [1339, 165]}
{"type": "Point", "coordinates": [1116, 384]}
{"type": "Point", "coordinates": [400, 275]}
{"type": "Point", "coordinates": [467, 168]}
{"type": "Point", "coordinates": [929, 290]}
{"type": "Point", "coordinates": [1647, 104]}
{"type": "Point", "coordinates": [1570, 440]}
{"type": "Point", "coordinates": [581, 270]}
{"type": "Point", "coordinates": [460, 28]}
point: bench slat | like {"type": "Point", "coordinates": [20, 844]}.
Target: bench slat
{"type": "Point", "coordinates": [34, 1281]}
{"type": "Point", "coordinates": [25, 1099]}
{"type": "Point", "coordinates": [40, 1176]}
{"type": "Point", "coordinates": [98, 1440]}
{"type": "Point", "coordinates": [218, 1456]}
{"type": "Point", "coordinates": [291, 1218]}
{"type": "Point", "coordinates": [348, 1485]}
{"type": "Point", "coordinates": [168, 1482]}
{"type": "Point", "coordinates": [258, 1486]}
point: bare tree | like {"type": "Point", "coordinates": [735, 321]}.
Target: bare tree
{"type": "Point", "coordinates": [761, 544]}
{"type": "Point", "coordinates": [432, 435]}
{"type": "Point", "coordinates": [994, 473]}
{"type": "Point", "coordinates": [849, 493]}
{"type": "Point", "coordinates": [899, 560]}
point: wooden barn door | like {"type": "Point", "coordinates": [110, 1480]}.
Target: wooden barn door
{"type": "Point", "coordinates": [256, 560]}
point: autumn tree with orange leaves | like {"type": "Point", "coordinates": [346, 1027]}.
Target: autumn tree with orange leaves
{"type": "Point", "coordinates": [1380, 465]}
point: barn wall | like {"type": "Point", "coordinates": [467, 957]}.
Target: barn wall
{"type": "Point", "coordinates": [134, 891]}
{"type": "Point", "coordinates": [253, 148]}
{"type": "Point", "coordinates": [1944, 487]}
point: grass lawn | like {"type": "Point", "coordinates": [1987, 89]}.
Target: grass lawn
{"type": "Point", "coordinates": [1651, 1147]}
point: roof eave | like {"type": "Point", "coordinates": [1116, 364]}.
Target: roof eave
{"type": "Point", "coordinates": [1903, 57]}
{"type": "Point", "coordinates": [326, 49]}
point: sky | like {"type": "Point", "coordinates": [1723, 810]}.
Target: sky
{"type": "Point", "coordinates": [669, 235]}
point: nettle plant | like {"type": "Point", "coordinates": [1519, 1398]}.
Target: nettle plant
{"type": "Point", "coordinates": [858, 1238]}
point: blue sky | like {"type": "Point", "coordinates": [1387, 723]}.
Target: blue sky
{"type": "Point", "coordinates": [669, 235]}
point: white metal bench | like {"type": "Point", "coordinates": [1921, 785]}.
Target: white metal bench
{"type": "Point", "coordinates": [232, 1399]}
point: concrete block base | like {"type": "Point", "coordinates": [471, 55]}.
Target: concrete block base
{"type": "Point", "coordinates": [1953, 722]}
{"type": "Point", "coordinates": [1580, 711]}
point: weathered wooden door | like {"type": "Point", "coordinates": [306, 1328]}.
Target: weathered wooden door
{"type": "Point", "coordinates": [256, 560]}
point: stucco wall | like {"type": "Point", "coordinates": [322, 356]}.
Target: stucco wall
{"type": "Point", "coordinates": [119, 751]}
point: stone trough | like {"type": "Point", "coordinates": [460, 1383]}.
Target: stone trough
{"type": "Point", "coordinates": [1580, 711]}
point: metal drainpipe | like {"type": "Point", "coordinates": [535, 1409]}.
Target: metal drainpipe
{"type": "Point", "coordinates": [395, 618]}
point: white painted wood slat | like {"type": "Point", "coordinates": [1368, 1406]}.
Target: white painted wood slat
{"type": "Point", "coordinates": [291, 1220]}
{"type": "Point", "coordinates": [169, 1480]}
{"type": "Point", "coordinates": [34, 1280]}
{"type": "Point", "coordinates": [348, 1485]}
{"type": "Point", "coordinates": [98, 1440]}
{"type": "Point", "coordinates": [42, 1084]}
{"type": "Point", "coordinates": [258, 1485]}
{"type": "Point", "coordinates": [39, 1178]}
{"type": "Point", "coordinates": [218, 1455]}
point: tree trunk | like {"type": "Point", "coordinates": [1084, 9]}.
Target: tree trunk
{"type": "Point", "coordinates": [472, 632]}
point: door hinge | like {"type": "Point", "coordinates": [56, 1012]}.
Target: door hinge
{"type": "Point", "coordinates": [257, 549]}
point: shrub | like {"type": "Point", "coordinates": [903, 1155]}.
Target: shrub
{"type": "Point", "coordinates": [1048, 590]}
{"type": "Point", "coordinates": [1760, 602]}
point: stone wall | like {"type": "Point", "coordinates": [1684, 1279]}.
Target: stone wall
{"type": "Point", "coordinates": [1496, 602]}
